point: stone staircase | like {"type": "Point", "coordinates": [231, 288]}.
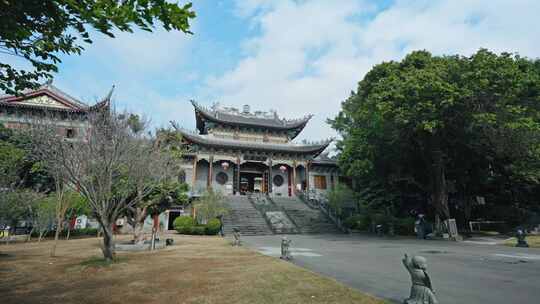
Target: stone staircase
{"type": "Point", "coordinates": [276, 217]}
{"type": "Point", "coordinates": [245, 217]}
{"type": "Point", "coordinates": [307, 219]}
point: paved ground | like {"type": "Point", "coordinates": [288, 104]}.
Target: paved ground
{"type": "Point", "coordinates": [461, 272]}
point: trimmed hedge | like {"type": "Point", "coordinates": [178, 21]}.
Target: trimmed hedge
{"type": "Point", "coordinates": [74, 232]}
{"type": "Point", "coordinates": [184, 224]}
{"type": "Point", "coordinates": [213, 226]}
{"type": "Point", "coordinates": [187, 225]}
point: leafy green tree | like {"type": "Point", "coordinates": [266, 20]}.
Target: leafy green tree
{"type": "Point", "coordinates": [77, 206]}
{"type": "Point", "coordinates": [210, 205]}
{"type": "Point", "coordinates": [38, 31]}
{"type": "Point", "coordinates": [340, 196]}
{"type": "Point", "coordinates": [18, 205]}
{"type": "Point", "coordinates": [444, 123]}
{"type": "Point", "coordinates": [18, 166]}
{"type": "Point", "coordinates": [11, 162]}
{"type": "Point", "coordinates": [44, 216]}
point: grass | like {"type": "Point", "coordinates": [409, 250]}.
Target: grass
{"type": "Point", "coordinates": [532, 240]}
{"type": "Point", "coordinates": [196, 270]}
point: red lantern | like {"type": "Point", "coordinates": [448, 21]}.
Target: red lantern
{"type": "Point", "coordinates": [225, 165]}
{"type": "Point", "coordinates": [282, 168]}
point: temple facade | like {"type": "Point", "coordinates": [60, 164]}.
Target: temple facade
{"type": "Point", "coordinates": [239, 152]}
{"type": "Point", "coordinates": [68, 114]}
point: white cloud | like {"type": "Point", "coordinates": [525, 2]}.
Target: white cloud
{"type": "Point", "coordinates": [308, 55]}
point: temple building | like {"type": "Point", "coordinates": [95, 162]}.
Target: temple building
{"type": "Point", "coordinates": [239, 152]}
{"type": "Point", "coordinates": [68, 113]}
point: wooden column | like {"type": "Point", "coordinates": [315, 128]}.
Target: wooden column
{"type": "Point", "coordinates": [238, 175]}
{"type": "Point", "coordinates": [307, 177]}
{"type": "Point", "coordinates": [294, 177]}
{"type": "Point", "coordinates": [194, 177]}
{"type": "Point", "coordinates": [210, 172]}
{"type": "Point", "coordinates": [270, 179]}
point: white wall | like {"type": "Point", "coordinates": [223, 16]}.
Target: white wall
{"type": "Point", "coordinates": [227, 188]}
{"type": "Point", "coordinates": [202, 178]}
{"type": "Point", "coordinates": [282, 190]}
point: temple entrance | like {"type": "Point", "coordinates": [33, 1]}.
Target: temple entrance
{"type": "Point", "coordinates": [253, 178]}
{"type": "Point", "coordinates": [251, 182]}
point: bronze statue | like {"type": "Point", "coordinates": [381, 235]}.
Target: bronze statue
{"type": "Point", "coordinates": [421, 290]}
{"type": "Point", "coordinates": [285, 253]}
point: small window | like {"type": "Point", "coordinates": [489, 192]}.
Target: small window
{"type": "Point", "coordinates": [70, 133]}
{"type": "Point", "coordinates": [320, 182]}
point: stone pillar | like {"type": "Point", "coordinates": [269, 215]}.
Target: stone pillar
{"type": "Point", "coordinates": [270, 179]}
{"type": "Point", "coordinates": [210, 172]}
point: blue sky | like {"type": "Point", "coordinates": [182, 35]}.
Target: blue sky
{"type": "Point", "coordinates": [297, 57]}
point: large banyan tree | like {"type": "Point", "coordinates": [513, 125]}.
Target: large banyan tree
{"type": "Point", "coordinates": [445, 124]}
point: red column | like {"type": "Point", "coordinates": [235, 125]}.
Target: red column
{"type": "Point", "coordinates": [210, 172]}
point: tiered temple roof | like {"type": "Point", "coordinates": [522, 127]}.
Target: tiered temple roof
{"type": "Point", "coordinates": [210, 141]}
{"type": "Point", "coordinates": [221, 129]}
{"type": "Point", "coordinates": [235, 118]}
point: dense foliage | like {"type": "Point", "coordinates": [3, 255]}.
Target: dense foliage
{"type": "Point", "coordinates": [187, 225]}
{"type": "Point", "coordinates": [210, 205]}
{"type": "Point", "coordinates": [183, 224]}
{"type": "Point", "coordinates": [434, 133]}
{"type": "Point", "coordinates": [39, 31]}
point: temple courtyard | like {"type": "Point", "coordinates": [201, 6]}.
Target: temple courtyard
{"type": "Point", "coordinates": [194, 270]}
{"type": "Point", "coordinates": [464, 272]}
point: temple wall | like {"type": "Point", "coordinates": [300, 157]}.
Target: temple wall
{"type": "Point", "coordinates": [23, 120]}
{"type": "Point", "coordinates": [300, 176]}
{"type": "Point", "coordinates": [321, 192]}
{"type": "Point", "coordinates": [282, 190]}
{"type": "Point", "coordinates": [202, 177]}
{"type": "Point", "coordinates": [226, 188]}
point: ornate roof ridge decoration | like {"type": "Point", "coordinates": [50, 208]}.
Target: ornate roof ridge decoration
{"type": "Point", "coordinates": [249, 119]}
{"type": "Point", "coordinates": [48, 89]}
{"type": "Point", "coordinates": [105, 103]}
{"type": "Point", "coordinates": [192, 136]}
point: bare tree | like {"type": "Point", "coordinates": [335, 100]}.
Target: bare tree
{"type": "Point", "coordinates": [167, 150]}
{"type": "Point", "coordinates": [103, 166]}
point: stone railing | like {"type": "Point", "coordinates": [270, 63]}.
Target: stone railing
{"type": "Point", "coordinates": [319, 202]}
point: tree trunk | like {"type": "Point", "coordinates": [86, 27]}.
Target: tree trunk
{"type": "Point", "coordinates": [56, 235]}
{"type": "Point", "coordinates": [108, 242]}
{"type": "Point", "coordinates": [138, 232]}
{"type": "Point", "coordinates": [68, 231]}
{"type": "Point", "coordinates": [138, 225]}
{"type": "Point", "coordinates": [439, 189]}
{"type": "Point", "coordinates": [41, 234]}
{"type": "Point", "coordinates": [30, 235]}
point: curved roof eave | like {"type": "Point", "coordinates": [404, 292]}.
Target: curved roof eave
{"type": "Point", "coordinates": [315, 149]}
{"type": "Point", "coordinates": [263, 123]}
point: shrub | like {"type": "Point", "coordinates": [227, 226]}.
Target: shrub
{"type": "Point", "coordinates": [352, 222]}
{"type": "Point", "coordinates": [213, 226]}
{"type": "Point", "coordinates": [404, 226]}
{"type": "Point", "coordinates": [198, 230]}
{"type": "Point", "coordinates": [183, 224]}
